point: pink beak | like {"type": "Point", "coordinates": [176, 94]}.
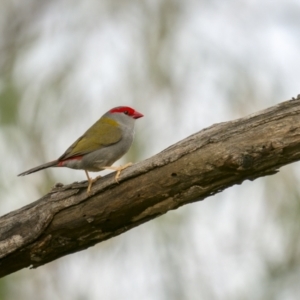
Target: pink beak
{"type": "Point", "coordinates": [137, 115]}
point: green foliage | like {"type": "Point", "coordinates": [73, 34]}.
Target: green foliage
{"type": "Point", "coordinates": [9, 101]}
{"type": "Point", "coordinates": [3, 289]}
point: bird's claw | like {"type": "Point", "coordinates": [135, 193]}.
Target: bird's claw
{"type": "Point", "coordinates": [118, 170]}
{"type": "Point", "coordinates": [121, 168]}
{"type": "Point", "coordinates": [91, 181]}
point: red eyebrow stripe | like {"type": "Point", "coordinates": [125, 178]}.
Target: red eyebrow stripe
{"type": "Point", "coordinates": [121, 109]}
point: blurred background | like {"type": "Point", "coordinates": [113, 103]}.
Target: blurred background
{"type": "Point", "coordinates": [185, 65]}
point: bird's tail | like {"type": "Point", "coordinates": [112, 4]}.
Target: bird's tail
{"type": "Point", "coordinates": [53, 163]}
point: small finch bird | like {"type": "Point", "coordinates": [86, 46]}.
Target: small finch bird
{"type": "Point", "coordinates": [100, 146]}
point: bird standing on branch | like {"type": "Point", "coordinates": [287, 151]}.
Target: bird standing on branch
{"type": "Point", "coordinates": [100, 146]}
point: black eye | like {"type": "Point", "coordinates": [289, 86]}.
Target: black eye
{"type": "Point", "coordinates": [126, 112]}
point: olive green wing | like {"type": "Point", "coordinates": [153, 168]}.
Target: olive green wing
{"type": "Point", "coordinates": [103, 133]}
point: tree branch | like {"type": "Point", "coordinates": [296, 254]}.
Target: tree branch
{"type": "Point", "coordinates": [67, 220]}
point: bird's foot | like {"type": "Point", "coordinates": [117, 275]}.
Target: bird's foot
{"type": "Point", "coordinates": [118, 169]}
{"type": "Point", "coordinates": [91, 181]}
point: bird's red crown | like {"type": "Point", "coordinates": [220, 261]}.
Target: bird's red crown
{"type": "Point", "coordinates": [127, 111]}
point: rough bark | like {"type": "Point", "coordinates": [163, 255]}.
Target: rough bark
{"type": "Point", "coordinates": [67, 220]}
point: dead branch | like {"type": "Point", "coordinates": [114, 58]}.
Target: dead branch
{"type": "Point", "coordinates": [67, 220]}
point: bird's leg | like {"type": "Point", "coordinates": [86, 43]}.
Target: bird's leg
{"type": "Point", "coordinates": [90, 180]}
{"type": "Point", "coordinates": [118, 169]}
